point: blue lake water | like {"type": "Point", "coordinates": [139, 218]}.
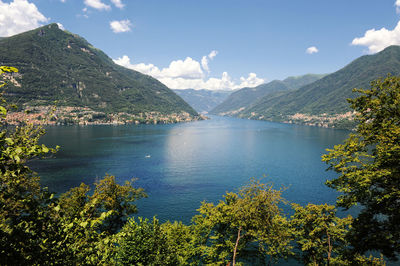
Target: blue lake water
{"type": "Point", "coordinates": [181, 165]}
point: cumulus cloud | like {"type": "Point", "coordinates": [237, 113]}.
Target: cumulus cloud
{"type": "Point", "coordinates": [97, 4]}
{"type": "Point", "coordinates": [397, 5]}
{"type": "Point", "coordinates": [205, 59]}
{"type": "Point", "coordinates": [188, 73]}
{"type": "Point", "coordinates": [120, 26]}
{"type": "Point", "coordinates": [377, 40]}
{"type": "Point", "coordinates": [19, 16]}
{"type": "Point", "coordinates": [60, 26]}
{"type": "Point", "coordinates": [186, 69]}
{"type": "Point", "coordinates": [251, 81]}
{"type": "Point", "coordinates": [312, 50]}
{"type": "Point", "coordinates": [118, 3]}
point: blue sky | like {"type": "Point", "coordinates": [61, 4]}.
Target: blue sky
{"type": "Point", "coordinates": [219, 44]}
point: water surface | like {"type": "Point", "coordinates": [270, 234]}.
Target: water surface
{"type": "Point", "coordinates": [181, 165]}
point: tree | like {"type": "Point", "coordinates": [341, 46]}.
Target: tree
{"type": "Point", "coordinates": [89, 223]}
{"type": "Point", "coordinates": [251, 216]}
{"type": "Point", "coordinates": [368, 163]}
{"type": "Point", "coordinates": [37, 228]}
{"type": "Point", "coordinates": [150, 243]}
{"type": "Point", "coordinates": [320, 235]}
{"type": "Point", "coordinates": [23, 212]}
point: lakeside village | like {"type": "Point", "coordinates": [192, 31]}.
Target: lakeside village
{"type": "Point", "coordinates": [67, 115]}
{"type": "Point", "coordinates": [345, 120]}
{"type": "Point", "coordinates": [339, 121]}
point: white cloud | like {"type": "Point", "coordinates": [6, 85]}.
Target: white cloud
{"type": "Point", "coordinates": [118, 3]}
{"type": "Point", "coordinates": [312, 50]}
{"type": "Point", "coordinates": [205, 59]}
{"type": "Point", "coordinates": [19, 16]}
{"type": "Point", "coordinates": [377, 40]}
{"type": "Point", "coordinates": [184, 74]}
{"type": "Point", "coordinates": [251, 81]}
{"type": "Point", "coordinates": [60, 26]}
{"type": "Point", "coordinates": [97, 4]}
{"type": "Point", "coordinates": [397, 5]}
{"type": "Point", "coordinates": [187, 69]}
{"type": "Point", "coordinates": [120, 26]}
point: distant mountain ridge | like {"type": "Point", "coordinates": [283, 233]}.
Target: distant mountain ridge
{"type": "Point", "coordinates": [324, 101]}
{"type": "Point", "coordinates": [242, 99]}
{"type": "Point", "coordinates": [328, 95]}
{"type": "Point", "coordinates": [56, 65]}
{"type": "Point", "coordinates": [203, 100]}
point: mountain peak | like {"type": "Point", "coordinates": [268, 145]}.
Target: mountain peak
{"type": "Point", "coordinates": [56, 65]}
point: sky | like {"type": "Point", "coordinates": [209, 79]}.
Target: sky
{"type": "Point", "coordinates": [219, 44]}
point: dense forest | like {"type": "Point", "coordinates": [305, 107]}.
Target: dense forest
{"type": "Point", "coordinates": [248, 226]}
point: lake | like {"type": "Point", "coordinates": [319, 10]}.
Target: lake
{"type": "Point", "coordinates": [181, 165]}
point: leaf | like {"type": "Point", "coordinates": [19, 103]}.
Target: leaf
{"type": "Point", "coordinates": [3, 110]}
{"type": "Point", "coordinates": [9, 141]}
{"type": "Point", "coordinates": [45, 149]}
{"type": "Point", "coordinates": [84, 224]}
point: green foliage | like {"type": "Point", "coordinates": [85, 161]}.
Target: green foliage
{"type": "Point", "coordinates": [109, 196]}
{"type": "Point", "coordinates": [320, 235]}
{"type": "Point", "coordinates": [244, 219]}
{"type": "Point", "coordinates": [89, 223]}
{"type": "Point", "coordinates": [59, 66]}
{"type": "Point", "coordinates": [151, 243]}
{"type": "Point", "coordinates": [4, 69]}
{"type": "Point", "coordinates": [368, 164]}
{"type": "Point", "coordinates": [24, 218]}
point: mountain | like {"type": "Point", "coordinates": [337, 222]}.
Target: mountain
{"type": "Point", "coordinates": [296, 82]}
{"type": "Point", "coordinates": [240, 100]}
{"type": "Point", "coordinates": [55, 65]}
{"type": "Point", "coordinates": [327, 96]}
{"type": "Point", "coordinates": [203, 100]}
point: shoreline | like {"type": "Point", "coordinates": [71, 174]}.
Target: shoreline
{"type": "Point", "coordinates": [51, 116]}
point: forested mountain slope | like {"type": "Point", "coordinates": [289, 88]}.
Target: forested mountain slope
{"type": "Point", "coordinates": [55, 65]}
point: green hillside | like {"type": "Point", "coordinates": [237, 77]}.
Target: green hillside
{"type": "Point", "coordinates": [56, 65]}
{"type": "Point", "coordinates": [203, 100]}
{"type": "Point", "coordinates": [296, 82]}
{"type": "Point", "coordinates": [328, 95]}
{"type": "Point", "coordinates": [244, 98]}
